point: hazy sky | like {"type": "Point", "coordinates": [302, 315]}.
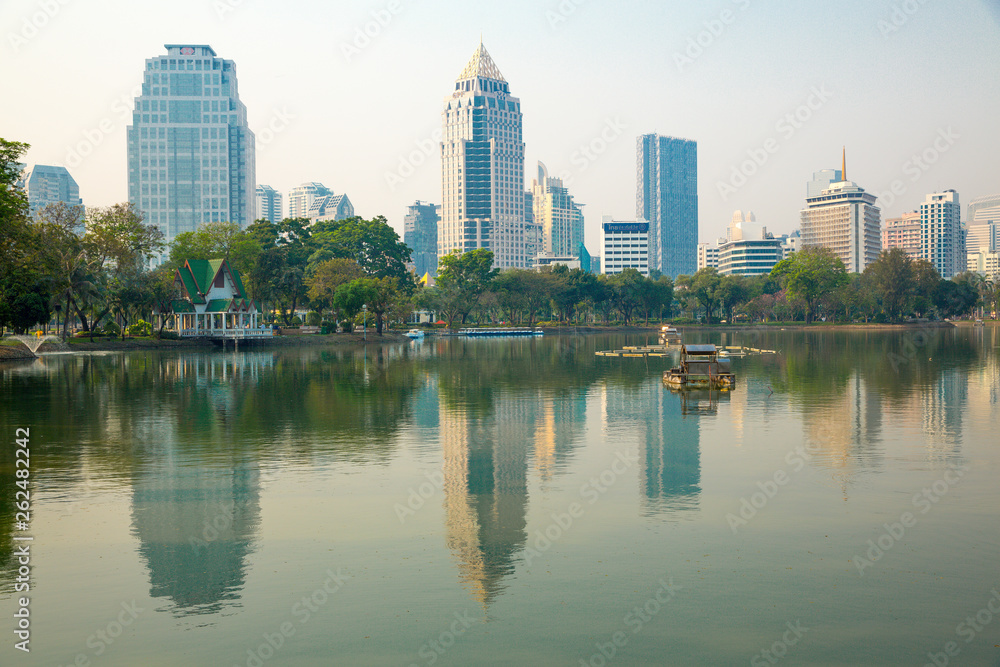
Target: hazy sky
{"type": "Point", "coordinates": [890, 79]}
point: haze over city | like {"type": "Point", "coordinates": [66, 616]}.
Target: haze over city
{"type": "Point", "coordinates": [351, 94]}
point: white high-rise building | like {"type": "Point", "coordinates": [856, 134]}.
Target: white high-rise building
{"type": "Point", "coordinates": [482, 168]}
{"type": "Point", "coordinates": [301, 199]}
{"type": "Point", "coordinates": [844, 218]}
{"type": "Point", "coordinates": [268, 204]}
{"type": "Point", "coordinates": [941, 238]}
{"type": "Point", "coordinates": [191, 154]}
{"type": "Point", "coordinates": [44, 185]}
{"type": "Point", "coordinates": [626, 246]}
{"type": "Point", "coordinates": [983, 224]}
{"type": "Point", "coordinates": [708, 255]}
{"type": "Point", "coordinates": [329, 208]}
{"type": "Point", "coordinates": [560, 218]}
{"type": "Point", "coordinates": [748, 250]}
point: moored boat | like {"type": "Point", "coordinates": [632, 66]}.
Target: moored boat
{"type": "Point", "coordinates": [701, 366]}
{"type": "Point", "coordinates": [414, 333]}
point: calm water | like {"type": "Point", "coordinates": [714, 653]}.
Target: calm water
{"type": "Point", "coordinates": [503, 502]}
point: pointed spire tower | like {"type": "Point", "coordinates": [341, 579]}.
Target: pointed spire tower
{"type": "Point", "coordinates": [843, 166]}
{"type": "Point", "coordinates": [482, 154]}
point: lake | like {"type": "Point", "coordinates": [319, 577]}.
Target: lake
{"type": "Point", "coordinates": [508, 501]}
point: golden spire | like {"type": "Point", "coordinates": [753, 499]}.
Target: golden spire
{"type": "Point", "coordinates": [843, 166]}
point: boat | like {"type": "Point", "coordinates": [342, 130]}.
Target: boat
{"type": "Point", "coordinates": [669, 336]}
{"type": "Point", "coordinates": [701, 366]}
{"type": "Point", "coordinates": [414, 333]}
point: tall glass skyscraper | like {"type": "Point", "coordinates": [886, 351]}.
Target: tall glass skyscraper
{"type": "Point", "coordinates": [45, 184]}
{"type": "Point", "coordinates": [191, 154]}
{"type": "Point", "coordinates": [268, 204]}
{"type": "Point", "coordinates": [482, 162]}
{"type": "Point", "coordinates": [559, 216]}
{"type": "Point", "coordinates": [667, 197]}
{"type": "Point", "coordinates": [420, 232]}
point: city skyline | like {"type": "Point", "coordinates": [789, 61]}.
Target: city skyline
{"type": "Point", "coordinates": [791, 122]}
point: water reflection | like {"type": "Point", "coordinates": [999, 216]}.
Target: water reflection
{"type": "Point", "coordinates": [196, 527]}
{"type": "Point", "coordinates": [187, 435]}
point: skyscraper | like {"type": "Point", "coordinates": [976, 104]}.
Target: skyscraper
{"type": "Point", "coordinates": [844, 218]}
{"type": "Point", "coordinates": [191, 154]}
{"type": "Point", "coordinates": [626, 246]}
{"type": "Point", "coordinates": [560, 218]}
{"type": "Point", "coordinates": [44, 185]}
{"type": "Point", "coordinates": [301, 199]}
{"type": "Point", "coordinates": [983, 222]}
{"type": "Point", "coordinates": [329, 208]}
{"type": "Point", "coordinates": [667, 197]}
{"type": "Point", "coordinates": [904, 233]}
{"type": "Point", "coordinates": [268, 204]}
{"type": "Point", "coordinates": [941, 233]}
{"type": "Point", "coordinates": [482, 167]}
{"type": "Point", "coordinates": [420, 233]}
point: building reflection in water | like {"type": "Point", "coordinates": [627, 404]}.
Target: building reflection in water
{"type": "Point", "coordinates": [670, 460]}
{"type": "Point", "coordinates": [195, 509]}
{"type": "Point", "coordinates": [486, 491]}
{"type": "Point", "coordinates": [196, 527]}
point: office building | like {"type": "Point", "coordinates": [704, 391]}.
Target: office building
{"type": "Point", "coordinates": [983, 262]}
{"type": "Point", "coordinates": [941, 236]}
{"type": "Point", "coordinates": [558, 215]}
{"type": "Point", "coordinates": [749, 250]}
{"type": "Point", "coordinates": [903, 233]}
{"type": "Point", "coordinates": [843, 218]}
{"type": "Point", "coordinates": [191, 154]}
{"type": "Point", "coordinates": [482, 161]}
{"type": "Point", "coordinates": [420, 233]}
{"type": "Point", "coordinates": [268, 204]}
{"type": "Point", "coordinates": [626, 246]}
{"type": "Point", "coordinates": [44, 184]}
{"type": "Point", "coordinates": [330, 208]}
{"type": "Point", "coordinates": [301, 198]}
{"type": "Point", "coordinates": [708, 255]}
{"type": "Point", "coordinates": [984, 210]}
{"type": "Point", "coordinates": [667, 197]}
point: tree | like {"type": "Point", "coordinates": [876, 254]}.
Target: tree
{"type": "Point", "coordinates": [117, 238]}
{"type": "Point", "coordinates": [462, 280]}
{"type": "Point", "coordinates": [732, 291]}
{"type": "Point", "coordinates": [626, 292]}
{"type": "Point", "coordinates": [810, 274]}
{"type": "Point", "coordinates": [893, 279]}
{"type": "Point", "coordinates": [24, 299]}
{"type": "Point", "coordinates": [214, 240]}
{"type": "Point", "coordinates": [353, 296]}
{"type": "Point", "coordinates": [327, 277]}
{"type": "Point", "coordinates": [13, 206]}
{"type": "Point", "coordinates": [373, 244]}
{"type": "Point", "coordinates": [954, 298]}
{"type": "Point", "coordinates": [704, 287]}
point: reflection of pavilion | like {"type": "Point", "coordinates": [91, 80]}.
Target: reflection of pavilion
{"type": "Point", "coordinates": [485, 486]}
{"type": "Point", "coordinates": [670, 473]}
{"type": "Point", "coordinates": [196, 523]}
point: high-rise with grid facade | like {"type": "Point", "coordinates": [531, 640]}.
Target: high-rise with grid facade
{"type": "Point", "coordinates": [191, 154]}
{"type": "Point", "coordinates": [482, 168]}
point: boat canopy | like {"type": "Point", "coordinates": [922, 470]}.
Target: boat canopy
{"type": "Point", "coordinates": [700, 349]}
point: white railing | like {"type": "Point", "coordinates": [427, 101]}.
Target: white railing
{"type": "Point", "coordinates": [226, 333]}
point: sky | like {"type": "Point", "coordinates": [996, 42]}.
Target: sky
{"type": "Point", "coordinates": [350, 94]}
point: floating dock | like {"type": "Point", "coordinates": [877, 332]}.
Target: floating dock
{"type": "Point", "coordinates": [491, 333]}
